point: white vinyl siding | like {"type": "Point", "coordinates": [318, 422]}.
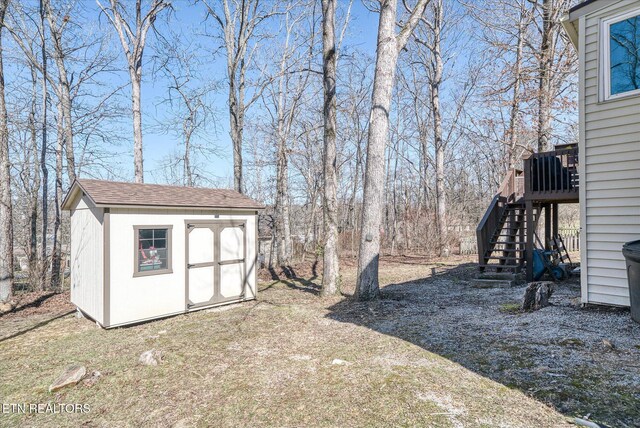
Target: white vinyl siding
{"type": "Point", "coordinates": [87, 258]}
{"type": "Point", "coordinates": [610, 180]}
{"type": "Point", "coordinates": [145, 297]}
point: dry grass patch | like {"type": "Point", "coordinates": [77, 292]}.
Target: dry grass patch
{"type": "Point", "coordinates": [273, 362]}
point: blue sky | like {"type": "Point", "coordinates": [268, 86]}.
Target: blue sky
{"type": "Point", "coordinates": [362, 32]}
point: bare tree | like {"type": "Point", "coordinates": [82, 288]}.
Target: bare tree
{"type": "Point", "coordinates": [133, 42]}
{"type": "Point", "coordinates": [239, 22]}
{"type": "Point", "coordinates": [56, 248]}
{"type": "Point", "coordinates": [286, 93]}
{"type": "Point", "coordinates": [32, 180]}
{"type": "Point", "coordinates": [551, 12]}
{"type": "Point", "coordinates": [189, 115]}
{"type": "Point", "coordinates": [435, 72]}
{"type": "Point", "coordinates": [57, 24]}
{"type": "Point", "coordinates": [6, 212]}
{"type": "Point", "coordinates": [517, 81]}
{"type": "Point", "coordinates": [389, 46]}
{"type": "Point", "coordinates": [43, 147]}
{"type": "Point", "coordinates": [331, 272]}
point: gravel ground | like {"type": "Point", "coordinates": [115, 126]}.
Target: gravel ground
{"type": "Point", "coordinates": [583, 361]}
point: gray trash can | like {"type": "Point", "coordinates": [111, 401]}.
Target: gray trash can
{"type": "Point", "coordinates": [631, 252]}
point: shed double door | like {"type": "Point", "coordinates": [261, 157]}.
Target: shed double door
{"type": "Point", "coordinates": [216, 255]}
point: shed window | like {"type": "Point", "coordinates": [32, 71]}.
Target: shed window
{"type": "Point", "coordinates": [152, 250]}
{"type": "Point", "coordinates": [622, 55]}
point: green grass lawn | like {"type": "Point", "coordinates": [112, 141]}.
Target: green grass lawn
{"type": "Point", "coordinates": [264, 363]}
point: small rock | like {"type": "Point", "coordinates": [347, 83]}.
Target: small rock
{"type": "Point", "coordinates": [71, 376]}
{"type": "Point", "coordinates": [339, 362]}
{"type": "Point", "coordinates": [162, 332]}
{"type": "Point", "coordinates": [6, 307]}
{"type": "Point", "coordinates": [608, 344]}
{"type": "Point", "coordinates": [150, 358]}
{"type": "Point", "coordinates": [90, 381]}
{"type": "Point", "coordinates": [571, 341]}
{"type": "Point", "coordinates": [154, 336]}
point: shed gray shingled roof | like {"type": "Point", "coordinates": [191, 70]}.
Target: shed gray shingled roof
{"type": "Point", "coordinates": [112, 193]}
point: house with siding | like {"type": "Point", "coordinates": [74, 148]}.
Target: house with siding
{"type": "Point", "coordinates": [601, 173]}
{"type": "Point", "coordinates": [606, 35]}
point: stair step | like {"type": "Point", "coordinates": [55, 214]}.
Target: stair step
{"type": "Point", "coordinates": [503, 258]}
{"type": "Point", "coordinates": [492, 283]}
{"type": "Point", "coordinates": [500, 275]}
{"type": "Point", "coordinates": [510, 268]}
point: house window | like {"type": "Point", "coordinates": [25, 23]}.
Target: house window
{"type": "Point", "coordinates": [622, 55]}
{"type": "Point", "coordinates": [152, 250]}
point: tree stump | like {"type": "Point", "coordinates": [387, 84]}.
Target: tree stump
{"type": "Point", "coordinates": [537, 295]}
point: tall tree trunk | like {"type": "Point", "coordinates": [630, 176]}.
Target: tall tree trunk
{"type": "Point", "coordinates": [283, 226]}
{"type": "Point", "coordinates": [236, 125]}
{"type": "Point", "coordinates": [43, 156]}
{"type": "Point", "coordinates": [436, 82]}
{"type": "Point", "coordinates": [544, 73]}
{"type": "Point", "coordinates": [188, 176]}
{"type": "Point", "coordinates": [389, 44]}
{"type": "Point", "coordinates": [138, 158]}
{"type": "Point", "coordinates": [32, 255]}
{"type": "Point", "coordinates": [6, 214]}
{"type": "Point", "coordinates": [517, 82]}
{"type": "Point", "coordinates": [57, 242]}
{"type": "Point", "coordinates": [133, 44]}
{"type": "Point", "coordinates": [386, 59]}
{"type": "Point", "coordinates": [64, 88]}
{"type": "Point", "coordinates": [331, 274]}
{"type": "Point", "coordinates": [245, 17]}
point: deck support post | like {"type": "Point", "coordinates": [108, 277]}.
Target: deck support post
{"type": "Point", "coordinates": [554, 221]}
{"type": "Point", "coordinates": [547, 226]}
{"type": "Point", "coordinates": [529, 246]}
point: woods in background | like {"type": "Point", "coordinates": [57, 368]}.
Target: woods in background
{"type": "Point", "coordinates": [357, 147]}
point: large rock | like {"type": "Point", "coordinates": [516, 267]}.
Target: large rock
{"type": "Point", "coordinates": [71, 376]}
{"type": "Point", "coordinates": [537, 295]}
{"type": "Point", "coordinates": [150, 358]}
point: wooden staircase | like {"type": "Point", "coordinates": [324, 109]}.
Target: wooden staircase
{"type": "Point", "coordinates": [507, 230]}
{"type": "Point", "coordinates": [505, 251]}
{"type": "Point", "coordinates": [502, 232]}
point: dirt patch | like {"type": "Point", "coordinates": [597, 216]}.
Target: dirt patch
{"type": "Point", "coordinates": [33, 309]}
{"type": "Point", "coordinates": [39, 303]}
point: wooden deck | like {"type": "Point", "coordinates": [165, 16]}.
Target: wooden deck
{"type": "Point", "coordinates": [507, 232]}
{"type": "Point", "coordinates": [552, 176]}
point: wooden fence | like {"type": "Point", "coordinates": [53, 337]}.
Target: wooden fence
{"type": "Point", "coordinates": [570, 236]}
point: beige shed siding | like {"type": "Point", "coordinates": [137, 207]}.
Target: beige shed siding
{"type": "Point", "coordinates": [611, 171]}
{"type": "Point", "coordinates": [87, 258]}
{"type": "Point", "coordinates": [146, 297]}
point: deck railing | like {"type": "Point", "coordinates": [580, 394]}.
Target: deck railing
{"type": "Point", "coordinates": [552, 176]}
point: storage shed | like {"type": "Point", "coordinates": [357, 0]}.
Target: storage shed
{"type": "Point", "coordinates": [145, 251]}
{"type": "Point", "coordinates": [606, 34]}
